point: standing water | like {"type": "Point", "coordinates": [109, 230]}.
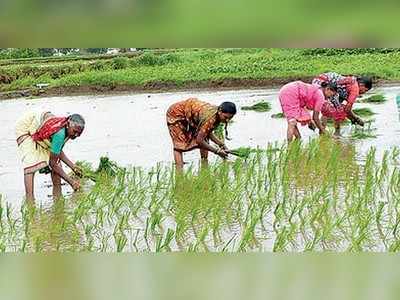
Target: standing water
{"type": "Point", "coordinates": [131, 130]}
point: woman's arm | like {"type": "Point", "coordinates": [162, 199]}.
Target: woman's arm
{"type": "Point", "coordinates": [318, 123]}
{"type": "Point", "coordinates": [216, 140]}
{"type": "Point", "coordinates": [67, 161]}
{"type": "Point", "coordinates": [77, 170]}
{"type": "Point", "coordinates": [56, 167]}
{"type": "Point", "coordinates": [201, 141]}
{"type": "Point", "coordinates": [354, 92]}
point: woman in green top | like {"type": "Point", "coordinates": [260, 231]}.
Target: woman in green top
{"type": "Point", "coordinates": [58, 141]}
{"type": "Point", "coordinates": [40, 138]}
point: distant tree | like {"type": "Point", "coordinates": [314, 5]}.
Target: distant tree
{"type": "Point", "coordinates": [96, 50]}
{"type": "Point", "coordinates": [46, 51]}
{"type": "Point", "coordinates": [3, 53]}
{"type": "Point", "coordinates": [124, 50]}
{"type": "Point", "coordinates": [65, 50]}
{"type": "Point", "coordinates": [13, 53]}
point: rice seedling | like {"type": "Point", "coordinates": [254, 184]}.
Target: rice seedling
{"type": "Point", "coordinates": [106, 167]}
{"type": "Point", "coordinates": [375, 99]}
{"type": "Point", "coordinates": [366, 132]}
{"type": "Point", "coordinates": [220, 132]}
{"type": "Point", "coordinates": [259, 107]}
{"type": "Point", "coordinates": [278, 116]}
{"type": "Point", "coordinates": [244, 152]}
{"type": "Point", "coordinates": [363, 112]}
{"type": "Point", "coordinates": [308, 196]}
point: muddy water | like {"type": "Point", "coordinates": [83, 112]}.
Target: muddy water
{"type": "Point", "coordinates": [131, 130]}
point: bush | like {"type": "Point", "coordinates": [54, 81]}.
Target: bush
{"type": "Point", "coordinates": [149, 59]}
{"type": "Point", "coordinates": [75, 68]}
{"type": "Point", "coordinates": [58, 71]}
{"type": "Point", "coordinates": [14, 53]}
{"type": "Point", "coordinates": [204, 54]}
{"type": "Point", "coordinates": [347, 51]}
{"type": "Point", "coordinates": [119, 63]}
{"type": "Point", "coordinates": [168, 58]}
{"type": "Point", "coordinates": [98, 65]}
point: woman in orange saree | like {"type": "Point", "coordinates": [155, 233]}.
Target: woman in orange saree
{"type": "Point", "coordinates": [191, 123]}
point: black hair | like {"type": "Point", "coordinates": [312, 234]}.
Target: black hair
{"type": "Point", "coordinates": [366, 81]}
{"type": "Point", "coordinates": [330, 85]}
{"type": "Point", "coordinates": [228, 107]}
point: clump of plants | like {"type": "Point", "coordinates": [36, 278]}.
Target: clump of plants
{"type": "Point", "coordinates": [119, 63]}
{"type": "Point", "coordinates": [259, 107]}
{"type": "Point", "coordinates": [220, 132]}
{"type": "Point", "coordinates": [106, 167]}
{"type": "Point", "coordinates": [278, 116]}
{"type": "Point", "coordinates": [306, 196]}
{"type": "Point", "coordinates": [376, 99]}
{"type": "Point", "coordinates": [366, 132]}
{"type": "Point", "coordinates": [243, 152]}
{"type": "Point", "coordinates": [363, 112]}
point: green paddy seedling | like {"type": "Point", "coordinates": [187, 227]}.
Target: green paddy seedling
{"type": "Point", "coordinates": [258, 107]}
{"type": "Point", "coordinates": [308, 196]}
{"type": "Point", "coordinates": [375, 99]}
{"type": "Point", "coordinates": [363, 112]}
{"type": "Point", "coordinates": [278, 116]}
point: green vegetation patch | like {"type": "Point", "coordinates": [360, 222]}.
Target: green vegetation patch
{"type": "Point", "coordinates": [278, 116]}
{"type": "Point", "coordinates": [278, 200]}
{"type": "Point", "coordinates": [363, 112]}
{"type": "Point", "coordinates": [366, 132]}
{"type": "Point", "coordinates": [259, 107]}
{"type": "Point", "coordinates": [106, 167]}
{"type": "Point", "coordinates": [180, 67]}
{"type": "Point", "coordinates": [376, 99]}
{"type": "Point", "coordinates": [244, 152]}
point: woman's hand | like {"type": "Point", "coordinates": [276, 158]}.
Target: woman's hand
{"type": "Point", "coordinates": [347, 106]}
{"type": "Point", "coordinates": [78, 171]}
{"type": "Point", "coordinates": [75, 184]}
{"type": "Point", "coordinates": [222, 153]}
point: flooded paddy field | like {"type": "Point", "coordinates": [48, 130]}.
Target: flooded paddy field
{"type": "Point", "coordinates": [329, 194]}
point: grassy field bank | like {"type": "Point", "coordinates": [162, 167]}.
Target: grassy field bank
{"type": "Point", "coordinates": [191, 68]}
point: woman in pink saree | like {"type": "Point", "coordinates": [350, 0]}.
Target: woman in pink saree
{"type": "Point", "coordinates": [297, 98]}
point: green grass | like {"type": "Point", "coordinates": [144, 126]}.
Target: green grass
{"type": "Point", "coordinates": [187, 66]}
{"type": "Point", "coordinates": [259, 107]}
{"type": "Point", "coordinates": [315, 196]}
